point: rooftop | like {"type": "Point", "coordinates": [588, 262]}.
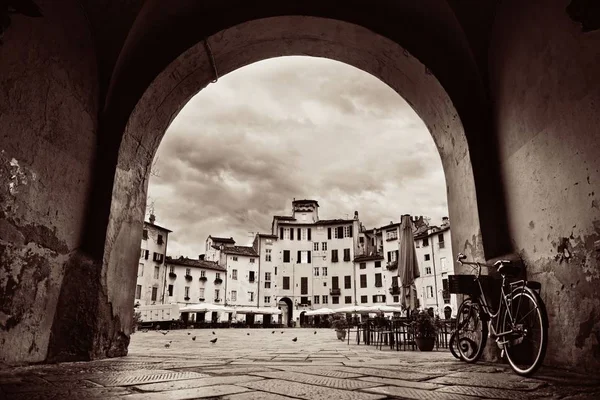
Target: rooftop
{"type": "Point", "coordinates": [146, 224]}
{"type": "Point", "coordinates": [241, 251]}
{"type": "Point", "coordinates": [222, 240]}
{"type": "Point", "coordinates": [305, 201]}
{"type": "Point", "coordinates": [365, 257]}
{"type": "Point", "coordinates": [190, 262]}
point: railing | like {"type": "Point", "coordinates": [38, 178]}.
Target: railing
{"type": "Point", "coordinates": [188, 278]}
{"type": "Point", "coordinates": [172, 275]}
{"type": "Point", "coordinates": [218, 281]}
{"type": "Point", "coordinates": [217, 300]}
{"type": "Point", "coordinates": [395, 290]}
{"type": "Point", "coordinates": [392, 265]}
{"type": "Point", "coordinates": [335, 292]}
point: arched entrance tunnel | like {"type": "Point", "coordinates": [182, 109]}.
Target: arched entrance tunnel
{"type": "Point", "coordinates": [509, 91]}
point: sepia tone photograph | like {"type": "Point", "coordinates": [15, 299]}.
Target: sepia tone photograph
{"type": "Point", "coordinates": [317, 199]}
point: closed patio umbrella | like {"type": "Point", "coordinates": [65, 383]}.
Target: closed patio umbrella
{"type": "Point", "coordinates": [408, 267]}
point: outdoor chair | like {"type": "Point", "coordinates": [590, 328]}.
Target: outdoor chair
{"type": "Point", "coordinates": [358, 330]}
{"type": "Point", "coordinates": [384, 334]}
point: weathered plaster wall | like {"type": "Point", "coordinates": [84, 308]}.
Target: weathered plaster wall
{"type": "Point", "coordinates": [48, 113]}
{"type": "Point", "coordinates": [546, 88]}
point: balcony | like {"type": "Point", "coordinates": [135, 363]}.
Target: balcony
{"type": "Point", "coordinates": [172, 275]}
{"type": "Point", "coordinates": [186, 298]}
{"type": "Point", "coordinates": [335, 292]}
{"type": "Point", "coordinates": [392, 265]}
{"type": "Point", "coordinates": [446, 294]}
{"type": "Point", "coordinates": [201, 299]}
{"type": "Point", "coordinates": [217, 300]}
{"type": "Point", "coordinates": [395, 290]}
{"type": "Point", "coordinates": [442, 245]}
{"type": "Point", "coordinates": [203, 279]}
{"type": "Point", "coordinates": [188, 278]}
{"type": "Point", "coordinates": [218, 281]}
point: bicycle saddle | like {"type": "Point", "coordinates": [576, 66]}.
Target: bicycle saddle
{"type": "Point", "coordinates": [505, 267]}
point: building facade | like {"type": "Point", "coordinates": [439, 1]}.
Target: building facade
{"type": "Point", "coordinates": [150, 285]}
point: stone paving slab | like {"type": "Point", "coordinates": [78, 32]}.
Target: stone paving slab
{"type": "Point", "coordinates": [389, 373]}
{"type": "Point", "coordinates": [234, 370]}
{"type": "Point", "coordinates": [257, 396]}
{"type": "Point", "coordinates": [184, 394]}
{"type": "Point", "coordinates": [136, 379]}
{"type": "Point", "coordinates": [401, 382]}
{"type": "Point", "coordinates": [308, 392]}
{"type": "Point", "coordinates": [488, 382]}
{"type": "Point", "coordinates": [489, 393]}
{"type": "Point", "coordinates": [97, 393]}
{"type": "Point", "coordinates": [411, 393]}
{"type": "Point", "coordinates": [349, 384]}
{"type": "Point", "coordinates": [194, 383]}
{"type": "Point", "coordinates": [56, 378]}
{"type": "Point", "coordinates": [321, 371]}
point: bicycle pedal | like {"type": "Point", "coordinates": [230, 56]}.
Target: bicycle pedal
{"type": "Point", "coordinates": [502, 354]}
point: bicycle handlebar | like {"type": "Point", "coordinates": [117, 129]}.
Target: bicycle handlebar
{"type": "Point", "coordinates": [461, 257]}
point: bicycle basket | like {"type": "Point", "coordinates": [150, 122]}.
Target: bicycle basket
{"type": "Point", "coordinates": [462, 284]}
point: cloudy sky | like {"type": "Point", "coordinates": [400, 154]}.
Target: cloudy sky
{"type": "Point", "coordinates": [292, 127]}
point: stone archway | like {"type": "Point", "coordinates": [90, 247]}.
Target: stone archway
{"type": "Point", "coordinates": [287, 310]}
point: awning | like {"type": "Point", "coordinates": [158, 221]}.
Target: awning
{"type": "Point", "coordinates": [258, 310]}
{"type": "Point", "coordinates": [320, 311]}
{"type": "Point", "coordinates": [385, 308]}
{"type": "Point", "coordinates": [205, 307]}
{"type": "Point", "coordinates": [353, 309]}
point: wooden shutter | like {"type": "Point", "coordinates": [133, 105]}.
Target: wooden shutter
{"type": "Point", "coordinates": [350, 233]}
{"type": "Point", "coordinates": [308, 259]}
{"type": "Point", "coordinates": [309, 237]}
{"type": "Point", "coordinates": [299, 234]}
{"type": "Point", "coordinates": [280, 233]}
{"type": "Point", "coordinates": [340, 230]}
{"type": "Point", "coordinates": [389, 256]}
{"type": "Point", "coordinates": [299, 260]}
{"type": "Point", "coordinates": [329, 233]}
{"type": "Point", "coordinates": [304, 285]}
{"type": "Point", "coordinates": [291, 233]}
{"type": "Point", "coordinates": [397, 255]}
{"type": "Point", "coordinates": [348, 282]}
{"type": "Point", "coordinates": [335, 284]}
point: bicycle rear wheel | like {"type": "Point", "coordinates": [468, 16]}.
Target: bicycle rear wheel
{"type": "Point", "coordinates": [525, 348]}
{"type": "Point", "coordinates": [453, 345]}
{"type": "Point", "coordinates": [471, 331]}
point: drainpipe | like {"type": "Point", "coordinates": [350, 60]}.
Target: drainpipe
{"type": "Point", "coordinates": [437, 303]}
{"type": "Point", "coordinates": [258, 278]}
{"type": "Point", "coordinates": [165, 265]}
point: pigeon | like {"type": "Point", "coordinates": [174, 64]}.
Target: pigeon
{"type": "Point", "coordinates": [315, 332]}
{"type": "Point", "coordinates": [167, 345]}
{"type": "Point", "coordinates": [214, 340]}
{"type": "Point", "coordinates": [295, 339]}
{"type": "Point", "coordinates": [281, 331]}
{"type": "Point", "coordinates": [164, 332]}
{"type": "Point", "coordinates": [248, 333]}
{"type": "Point", "coordinates": [214, 333]}
{"type": "Point", "coordinates": [145, 330]}
{"type": "Point", "coordinates": [193, 337]}
{"type": "Point", "coordinates": [272, 332]}
{"type": "Point", "coordinates": [189, 333]}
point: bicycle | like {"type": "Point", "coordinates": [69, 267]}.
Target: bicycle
{"type": "Point", "coordinates": [519, 324]}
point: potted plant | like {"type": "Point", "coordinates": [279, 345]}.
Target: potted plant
{"type": "Point", "coordinates": [172, 275]}
{"type": "Point", "coordinates": [341, 326]}
{"type": "Point", "coordinates": [203, 279]}
{"type": "Point", "coordinates": [425, 329]}
{"type": "Point", "coordinates": [188, 278]}
{"type": "Point", "coordinates": [218, 281]}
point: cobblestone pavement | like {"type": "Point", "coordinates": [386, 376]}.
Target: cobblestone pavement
{"type": "Point", "coordinates": [265, 364]}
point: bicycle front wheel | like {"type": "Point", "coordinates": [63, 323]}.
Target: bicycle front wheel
{"type": "Point", "coordinates": [525, 346]}
{"type": "Point", "coordinates": [471, 331]}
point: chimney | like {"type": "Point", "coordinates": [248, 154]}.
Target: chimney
{"type": "Point", "coordinates": [201, 257]}
{"type": "Point", "coordinates": [152, 219]}
{"type": "Point", "coordinates": [445, 221]}
{"type": "Point", "coordinates": [356, 215]}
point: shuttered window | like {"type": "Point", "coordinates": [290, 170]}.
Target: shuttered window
{"type": "Point", "coordinates": [304, 285]}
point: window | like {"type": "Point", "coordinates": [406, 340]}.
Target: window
{"type": "Point", "coordinates": [377, 264]}
{"type": "Point", "coordinates": [348, 299]}
{"type": "Point", "coordinates": [142, 251]}
{"type": "Point", "coordinates": [335, 282]}
{"type": "Point", "coordinates": [304, 257]}
{"type": "Point", "coordinates": [275, 271]}
{"type": "Point", "coordinates": [286, 256]}
{"type": "Point", "coordinates": [218, 275]}
{"type": "Point", "coordinates": [267, 254]}
{"type": "Point", "coordinates": [334, 256]}
{"type": "Point", "coordinates": [316, 299]}
{"type": "Point", "coordinates": [188, 271]}
{"type": "Point", "coordinates": [316, 271]}
{"type": "Point", "coordinates": [335, 233]}
{"type": "Point", "coordinates": [378, 298]}
{"type": "Point", "coordinates": [378, 282]}
{"type": "Point", "coordinates": [346, 254]}
{"type": "Point", "coordinates": [425, 242]}
{"type": "Point", "coordinates": [335, 300]}
{"type": "Point", "coordinates": [324, 246]}
{"type": "Point", "coordinates": [268, 285]}
{"type": "Point", "coordinates": [304, 300]}
{"type": "Point", "coordinates": [170, 290]}
{"type": "Point", "coordinates": [268, 242]}
{"type": "Point", "coordinates": [158, 257]}
{"type": "Point", "coordinates": [396, 299]}
{"type": "Point", "coordinates": [234, 274]}
{"type": "Point", "coordinates": [147, 254]}
{"type": "Point", "coordinates": [325, 284]}
{"type": "Point", "coordinates": [234, 295]}
{"type": "Point", "coordinates": [159, 241]}
{"type": "Point", "coordinates": [201, 292]}
{"type": "Point", "coordinates": [251, 296]}
{"type": "Point", "coordinates": [348, 282]}
{"type": "Point", "coordinates": [309, 234]}
{"type": "Point", "coordinates": [154, 293]}
{"type": "Point", "coordinates": [443, 264]}
{"type": "Point", "coordinates": [316, 246]}
{"type": "Point", "coordinates": [138, 292]}
{"type": "Point", "coordinates": [202, 274]}
{"type": "Point", "coordinates": [267, 299]}
{"type": "Point", "coordinates": [267, 276]}
{"type": "Point", "coordinates": [291, 233]}
{"type": "Point", "coordinates": [251, 276]}
{"type": "Point", "coordinates": [304, 285]}
{"type": "Point", "coordinates": [286, 283]}
{"type": "Point", "coordinates": [392, 256]}
{"type": "Point", "coordinates": [348, 231]}
{"type": "Point", "coordinates": [364, 299]}
{"type": "Point", "coordinates": [340, 232]}
{"type": "Point", "coordinates": [429, 292]}
{"type": "Point", "coordinates": [217, 292]}
{"type": "Point", "coordinates": [363, 281]}
{"type": "Point", "coordinates": [145, 234]}
{"type": "Point", "coordinates": [427, 257]}
{"type": "Point", "coordinates": [324, 271]}
{"type": "Point", "coordinates": [303, 233]}
{"type": "Point", "coordinates": [441, 238]}
{"type": "Point", "coordinates": [252, 261]}
{"type": "Point", "coordinates": [186, 291]}
{"type": "Point", "coordinates": [325, 299]}
{"type": "Point", "coordinates": [171, 269]}
{"type": "Point", "coordinates": [391, 234]}
{"type": "Point", "coordinates": [427, 270]}
{"type": "Point", "coordinates": [140, 269]}
{"type": "Point", "coordinates": [286, 233]}
{"type": "Point", "coordinates": [156, 272]}
{"type": "Point", "coordinates": [234, 258]}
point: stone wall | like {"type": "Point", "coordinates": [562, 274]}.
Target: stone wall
{"type": "Point", "coordinates": [546, 89]}
{"type": "Point", "coordinates": [48, 118]}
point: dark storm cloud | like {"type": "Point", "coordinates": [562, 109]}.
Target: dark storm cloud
{"type": "Point", "coordinates": [296, 127]}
